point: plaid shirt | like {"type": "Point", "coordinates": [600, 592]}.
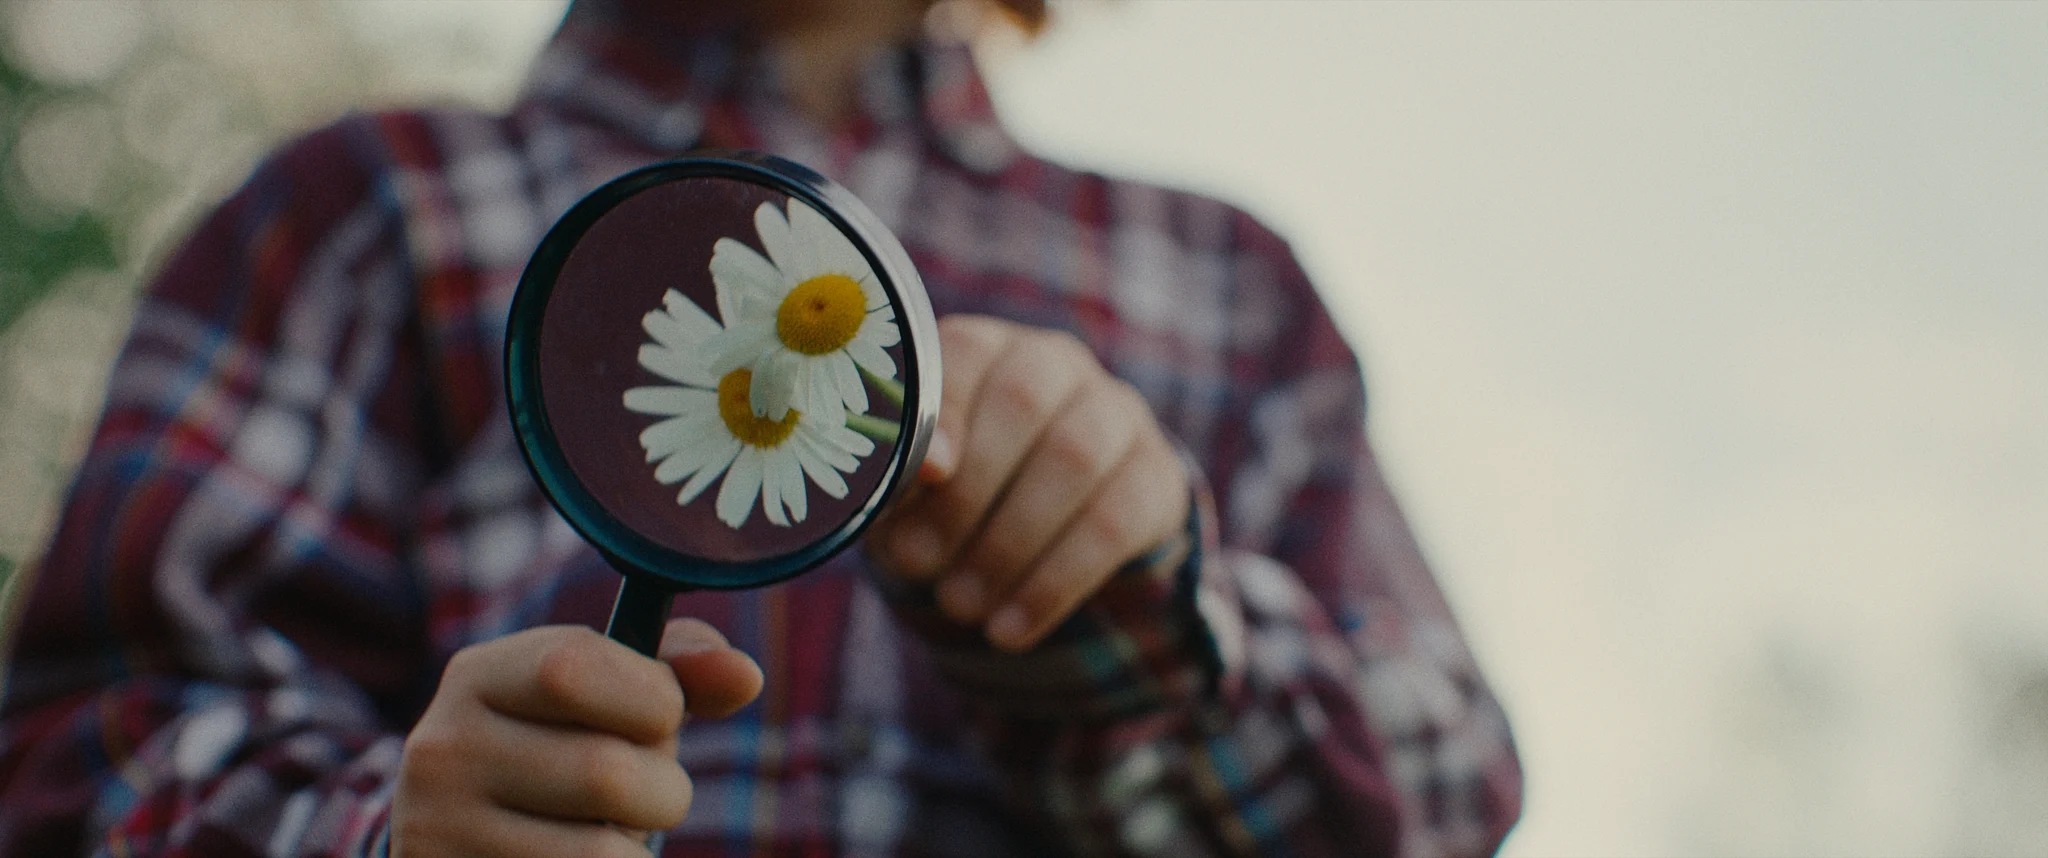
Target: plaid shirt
{"type": "Point", "coordinates": [304, 496]}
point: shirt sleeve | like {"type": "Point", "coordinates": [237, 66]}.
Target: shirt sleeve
{"type": "Point", "coordinates": [1295, 683]}
{"type": "Point", "coordinates": [176, 685]}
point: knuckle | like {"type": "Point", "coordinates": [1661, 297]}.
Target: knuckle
{"type": "Point", "coordinates": [999, 553]}
{"type": "Point", "coordinates": [1023, 390]}
{"type": "Point", "coordinates": [956, 507]}
{"type": "Point", "coordinates": [971, 334]}
{"type": "Point", "coordinates": [564, 667]}
{"type": "Point", "coordinates": [1109, 527]}
{"type": "Point", "coordinates": [462, 666]}
{"type": "Point", "coordinates": [1064, 346]}
{"type": "Point", "coordinates": [433, 753]}
{"type": "Point", "coordinates": [885, 549]}
{"type": "Point", "coordinates": [676, 799]}
{"type": "Point", "coordinates": [604, 770]}
{"type": "Point", "coordinates": [665, 708]}
{"type": "Point", "coordinates": [1075, 450]}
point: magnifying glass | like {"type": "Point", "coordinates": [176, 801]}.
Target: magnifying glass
{"type": "Point", "coordinates": [720, 369]}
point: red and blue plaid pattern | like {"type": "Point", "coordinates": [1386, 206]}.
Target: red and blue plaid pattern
{"type": "Point", "coordinates": [304, 496]}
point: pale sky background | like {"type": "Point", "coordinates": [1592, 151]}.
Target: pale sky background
{"type": "Point", "coordinates": [1708, 344]}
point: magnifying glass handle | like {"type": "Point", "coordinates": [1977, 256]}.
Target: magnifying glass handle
{"type": "Point", "coordinates": [640, 614]}
{"type": "Point", "coordinates": [638, 618]}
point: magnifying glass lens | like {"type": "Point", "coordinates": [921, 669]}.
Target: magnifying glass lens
{"type": "Point", "coordinates": [720, 369]}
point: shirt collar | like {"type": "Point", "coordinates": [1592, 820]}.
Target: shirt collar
{"type": "Point", "coordinates": [664, 84]}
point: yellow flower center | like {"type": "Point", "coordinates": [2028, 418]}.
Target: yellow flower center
{"type": "Point", "coordinates": [733, 405]}
{"type": "Point", "coordinates": [821, 314]}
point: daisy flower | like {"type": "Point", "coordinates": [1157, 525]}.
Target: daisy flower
{"type": "Point", "coordinates": [809, 318]}
{"type": "Point", "coordinates": [710, 429]}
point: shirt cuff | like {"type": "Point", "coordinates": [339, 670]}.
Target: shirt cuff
{"type": "Point", "coordinates": [1166, 630]}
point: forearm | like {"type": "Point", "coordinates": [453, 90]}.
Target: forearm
{"type": "Point", "coordinates": [1235, 719]}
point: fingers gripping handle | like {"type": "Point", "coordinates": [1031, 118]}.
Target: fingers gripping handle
{"type": "Point", "coordinates": [638, 618]}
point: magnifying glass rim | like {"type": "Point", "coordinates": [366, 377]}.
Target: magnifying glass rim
{"type": "Point", "coordinates": [628, 550]}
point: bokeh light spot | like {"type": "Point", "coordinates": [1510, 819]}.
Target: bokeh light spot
{"type": "Point", "coordinates": [74, 43]}
{"type": "Point", "coordinates": [64, 153]}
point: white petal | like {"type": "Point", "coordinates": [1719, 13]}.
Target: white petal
{"type": "Point", "coordinates": [880, 328]}
{"type": "Point", "coordinates": [782, 246]}
{"type": "Point", "coordinates": [871, 357]}
{"type": "Point", "coordinates": [822, 396]}
{"type": "Point", "coordinates": [782, 464]}
{"type": "Point", "coordinates": [679, 365]}
{"type": "Point", "coordinates": [739, 346]}
{"type": "Point", "coordinates": [795, 367]}
{"type": "Point", "coordinates": [746, 282]}
{"type": "Point", "coordinates": [701, 435]}
{"type": "Point", "coordinates": [810, 395]}
{"type": "Point", "coordinates": [669, 401]}
{"type": "Point", "coordinates": [666, 437]}
{"type": "Point", "coordinates": [686, 312]}
{"type": "Point", "coordinates": [814, 392]}
{"type": "Point", "coordinates": [831, 251]}
{"type": "Point", "coordinates": [775, 386]}
{"type": "Point", "coordinates": [820, 471]}
{"type": "Point", "coordinates": [722, 452]}
{"type": "Point", "coordinates": [875, 299]}
{"type": "Point", "coordinates": [742, 484]}
{"type": "Point", "coordinates": [665, 329]}
{"type": "Point", "coordinates": [695, 322]}
{"type": "Point", "coordinates": [680, 324]}
{"type": "Point", "coordinates": [674, 468]}
{"type": "Point", "coordinates": [847, 439]}
{"type": "Point", "coordinates": [810, 235]}
{"type": "Point", "coordinates": [848, 389]}
{"type": "Point", "coordinates": [825, 451]}
{"type": "Point", "coordinates": [766, 390]}
{"type": "Point", "coordinates": [771, 490]}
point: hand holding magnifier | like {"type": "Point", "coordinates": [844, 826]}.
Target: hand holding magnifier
{"type": "Point", "coordinates": [720, 370]}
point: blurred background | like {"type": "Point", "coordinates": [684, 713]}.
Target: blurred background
{"type": "Point", "coordinates": [1708, 342]}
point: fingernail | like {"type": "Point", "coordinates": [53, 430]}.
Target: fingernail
{"type": "Point", "coordinates": [1009, 626]}
{"type": "Point", "coordinates": [960, 596]}
{"type": "Point", "coordinates": [940, 458]}
{"type": "Point", "coordinates": [689, 641]}
{"type": "Point", "coordinates": [917, 549]}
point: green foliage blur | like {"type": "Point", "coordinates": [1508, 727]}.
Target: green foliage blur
{"type": "Point", "coordinates": [37, 253]}
{"type": "Point", "coordinates": [123, 121]}
{"type": "Point", "coordinates": [117, 126]}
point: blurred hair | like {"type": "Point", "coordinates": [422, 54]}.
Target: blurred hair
{"type": "Point", "coordinates": [1028, 15]}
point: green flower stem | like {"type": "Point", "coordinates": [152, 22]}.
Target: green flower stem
{"type": "Point", "coordinates": [874, 427]}
{"type": "Point", "coordinates": [890, 388]}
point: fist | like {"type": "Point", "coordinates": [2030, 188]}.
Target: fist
{"type": "Point", "coordinates": [1045, 476]}
{"type": "Point", "coordinates": [560, 741]}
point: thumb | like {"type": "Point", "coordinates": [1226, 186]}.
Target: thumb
{"type": "Point", "coordinates": [717, 680]}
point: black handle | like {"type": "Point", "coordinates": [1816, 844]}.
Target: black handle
{"type": "Point", "coordinates": [640, 614]}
